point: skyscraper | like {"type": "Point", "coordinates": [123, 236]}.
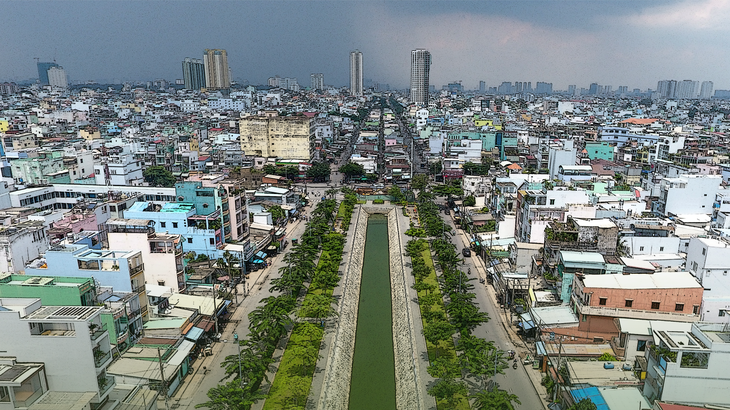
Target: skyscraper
{"type": "Point", "coordinates": [706, 90]}
{"type": "Point", "coordinates": [43, 71]}
{"type": "Point", "coordinates": [57, 77]}
{"type": "Point", "coordinates": [420, 69]}
{"type": "Point", "coordinates": [482, 86]}
{"type": "Point", "coordinates": [216, 69]}
{"type": "Point", "coordinates": [356, 72]}
{"type": "Point", "coordinates": [317, 81]}
{"type": "Point", "coordinates": [193, 73]}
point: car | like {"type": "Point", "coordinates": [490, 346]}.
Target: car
{"type": "Point", "coordinates": [466, 252]}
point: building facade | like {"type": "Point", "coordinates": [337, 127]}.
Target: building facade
{"type": "Point", "coordinates": [356, 72]}
{"type": "Point", "coordinates": [420, 70]}
{"type": "Point", "coordinates": [217, 73]}
{"type": "Point", "coordinates": [273, 136]}
{"type": "Point", "coordinates": [193, 73]}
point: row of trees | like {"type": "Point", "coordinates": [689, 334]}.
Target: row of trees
{"type": "Point", "coordinates": [478, 358]}
{"type": "Point", "coordinates": [268, 323]}
{"type": "Point", "coordinates": [348, 205]}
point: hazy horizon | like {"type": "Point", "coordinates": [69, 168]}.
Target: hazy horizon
{"type": "Point", "coordinates": [559, 41]}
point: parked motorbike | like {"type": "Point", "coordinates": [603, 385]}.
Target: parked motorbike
{"type": "Point", "coordinates": [514, 364]}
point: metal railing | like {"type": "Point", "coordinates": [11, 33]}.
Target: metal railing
{"type": "Point", "coordinates": [633, 313]}
{"type": "Point", "coordinates": [135, 270]}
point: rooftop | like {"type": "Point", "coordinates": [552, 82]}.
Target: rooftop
{"type": "Point", "coordinates": [662, 280]}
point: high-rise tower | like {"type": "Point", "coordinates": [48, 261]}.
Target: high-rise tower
{"type": "Point", "coordinates": [43, 71]}
{"type": "Point", "coordinates": [356, 72]}
{"type": "Point", "coordinates": [216, 69]}
{"type": "Point", "coordinates": [57, 77]}
{"type": "Point", "coordinates": [420, 69]}
{"type": "Point", "coordinates": [193, 73]}
{"type": "Point", "coordinates": [316, 81]}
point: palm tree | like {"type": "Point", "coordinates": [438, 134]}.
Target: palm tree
{"type": "Point", "coordinates": [230, 396]}
{"type": "Point", "coordinates": [495, 399]}
{"type": "Point", "coordinates": [318, 306]}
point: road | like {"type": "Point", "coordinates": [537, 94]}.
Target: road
{"type": "Point", "coordinates": [414, 152]}
{"type": "Point", "coordinates": [514, 381]}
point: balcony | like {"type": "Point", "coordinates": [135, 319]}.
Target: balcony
{"type": "Point", "coordinates": [143, 310]}
{"type": "Point", "coordinates": [135, 270]}
{"type": "Point", "coordinates": [105, 384]}
{"type": "Point", "coordinates": [101, 358]}
{"type": "Point", "coordinates": [139, 289]}
{"type": "Point", "coordinates": [97, 332]}
{"type": "Point", "coordinates": [632, 313]}
{"type": "Point", "coordinates": [134, 313]}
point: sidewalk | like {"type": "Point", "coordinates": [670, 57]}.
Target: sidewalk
{"type": "Point", "coordinates": [206, 369]}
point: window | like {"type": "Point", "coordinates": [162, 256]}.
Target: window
{"type": "Point", "coordinates": [4, 395]}
{"type": "Point", "coordinates": [655, 305]}
{"type": "Point", "coordinates": [640, 345]}
{"type": "Point", "coordinates": [641, 248]}
{"type": "Point", "coordinates": [696, 309]}
{"type": "Point", "coordinates": [161, 283]}
{"type": "Point", "coordinates": [190, 240]}
{"type": "Point", "coordinates": [721, 313]}
{"type": "Point", "coordinates": [661, 249]}
{"type": "Point", "coordinates": [212, 241]}
{"type": "Point", "coordinates": [678, 307]}
{"type": "Point", "coordinates": [174, 224]}
{"type": "Point", "coordinates": [629, 303]}
{"type": "Point", "coordinates": [703, 250]}
{"type": "Point", "coordinates": [552, 202]}
{"type": "Point", "coordinates": [602, 301]}
{"type": "Point", "coordinates": [163, 224]}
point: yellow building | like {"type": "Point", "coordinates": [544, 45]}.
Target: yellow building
{"type": "Point", "coordinates": [269, 135]}
{"type": "Point", "coordinates": [89, 133]}
{"type": "Point", "coordinates": [4, 125]}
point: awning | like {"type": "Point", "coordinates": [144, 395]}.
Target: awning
{"type": "Point", "coordinates": [260, 254]}
{"type": "Point", "coordinates": [205, 325]}
{"type": "Point", "coordinates": [194, 334]}
{"type": "Point", "coordinates": [224, 278]}
{"type": "Point", "coordinates": [225, 305]}
{"type": "Point", "coordinates": [293, 212]}
{"type": "Point", "coordinates": [540, 348]}
{"type": "Point", "coordinates": [258, 261]}
{"type": "Point", "coordinates": [526, 321]}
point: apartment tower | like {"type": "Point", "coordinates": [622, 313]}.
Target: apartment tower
{"type": "Point", "coordinates": [356, 72]}
{"type": "Point", "coordinates": [420, 68]}
{"type": "Point", "coordinates": [317, 81]}
{"type": "Point", "coordinates": [193, 73]}
{"type": "Point", "coordinates": [216, 69]}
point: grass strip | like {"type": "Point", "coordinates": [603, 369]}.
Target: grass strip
{"type": "Point", "coordinates": [293, 380]}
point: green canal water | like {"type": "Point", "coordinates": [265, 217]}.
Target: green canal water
{"type": "Point", "coordinates": [372, 384]}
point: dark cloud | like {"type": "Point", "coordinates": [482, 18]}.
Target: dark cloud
{"type": "Point", "coordinates": [561, 41]}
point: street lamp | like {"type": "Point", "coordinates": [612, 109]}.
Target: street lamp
{"type": "Point", "coordinates": [240, 375]}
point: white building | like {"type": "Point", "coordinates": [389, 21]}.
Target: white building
{"type": "Point", "coordinates": [688, 194]}
{"type": "Point", "coordinates": [709, 261]}
{"type": "Point", "coordinates": [561, 153]}
{"type": "Point", "coordinates": [20, 244]}
{"type": "Point", "coordinates": [689, 367]}
{"type": "Point", "coordinates": [119, 170]}
{"type": "Point", "coordinates": [57, 77]}
{"type": "Point", "coordinates": [356, 75]}
{"type": "Point", "coordinates": [70, 341]}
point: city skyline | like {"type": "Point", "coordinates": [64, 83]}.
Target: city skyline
{"type": "Point", "coordinates": [617, 43]}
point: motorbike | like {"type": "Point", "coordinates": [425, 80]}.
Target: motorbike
{"type": "Point", "coordinates": [514, 364]}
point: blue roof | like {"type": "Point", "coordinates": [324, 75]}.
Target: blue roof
{"type": "Point", "coordinates": [591, 393]}
{"type": "Point", "coordinates": [194, 334]}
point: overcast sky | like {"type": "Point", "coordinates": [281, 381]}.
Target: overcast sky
{"type": "Point", "coordinates": [614, 42]}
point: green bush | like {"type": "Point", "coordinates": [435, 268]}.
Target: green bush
{"type": "Point", "coordinates": [378, 201]}
{"type": "Point", "coordinates": [607, 357]}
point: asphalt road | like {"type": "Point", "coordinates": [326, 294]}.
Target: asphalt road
{"type": "Point", "coordinates": [515, 381]}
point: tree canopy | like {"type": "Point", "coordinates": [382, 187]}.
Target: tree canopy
{"type": "Point", "coordinates": [319, 171]}
{"type": "Point", "coordinates": [352, 169]}
{"type": "Point", "coordinates": [471, 168]}
{"type": "Point", "coordinates": [158, 176]}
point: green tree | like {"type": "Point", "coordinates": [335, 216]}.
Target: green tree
{"type": "Point", "coordinates": [585, 404]}
{"type": "Point", "coordinates": [319, 171]}
{"type": "Point", "coordinates": [444, 366]}
{"type": "Point", "coordinates": [434, 168]}
{"type": "Point", "coordinates": [318, 306]}
{"type": "Point", "coordinates": [230, 396]}
{"type": "Point", "coordinates": [438, 330]}
{"type": "Point", "coordinates": [158, 176]}
{"type": "Point", "coordinates": [277, 213]}
{"type": "Point", "coordinates": [419, 182]}
{"type": "Point", "coordinates": [471, 168]}
{"type": "Point", "coordinates": [495, 399]}
{"type": "Point", "coordinates": [470, 201]}
{"type": "Point", "coordinates": [352, 169]}
{"type": "Point", "coordinates": [447, 389]}
{"type": "Point", "coordinates": [396, 193]}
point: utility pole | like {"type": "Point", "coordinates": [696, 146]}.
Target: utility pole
{"type": "Point", "coordinates": [240, 375]}
{"type": "Point", "coordinates": [557, 370]}
{"type": "Point", "coordinates": [215, 311]}
{"type": "Point", "coordinates": [162, 376]}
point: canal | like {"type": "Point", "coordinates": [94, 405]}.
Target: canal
{"type": "Point", "coordinates": [372, 384]}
